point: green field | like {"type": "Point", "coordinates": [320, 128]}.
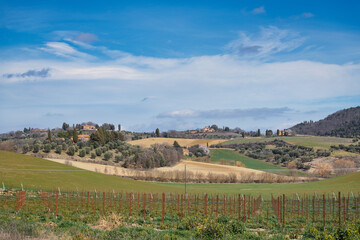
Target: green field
{"type": "Point", "coordinates": [344, 184]}
{"type": "Point", "coordinates": [35, 172]}
{"type": "Point", "coordinates": [217, 154]}
{"type": "Point", "coordinates": [303, 140]}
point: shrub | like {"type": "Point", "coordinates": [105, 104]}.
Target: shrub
{"type": "Point", "coordinates": [58, 149]}
{"type": "Point", "coordinates": [36, 148]}
{"type": "Point", "coordinates": [47, 148]}
{"type": "Point", "coordinates": [93, 155]}
{"type": "Point", "coordinates": [118, 158]}
{"type": "Point", "coordinates": [292, 165]}
{"type": "Point", "coordinates": [87, 150]}
{"type": "Point", "coordinates": [82, 153]}
{"type": "Point", "coordinates": [107, 156]}
{"type": "Point", "coordinates": [98, 152]}
{"type": "Point", "coordinates": [25, 148]}
{"type": "Point", "coordinates": [81, 145]}
{"type": "Point", "coordinates": [211, 229]}
{"type": "Point", "coordinates": [64, 146]}
{"type": "Point", "coordinates": [71, 151]}
{"type": "Point", "coordinates": [232, 178]}
{"type": "Point", "coordinates": [323, 170]}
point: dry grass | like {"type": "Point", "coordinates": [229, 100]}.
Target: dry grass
{"type": "Point", "coordinates": [198, 172]}
{"type": "Point", "coordinates": [183, 142]}
{"type": "Point", "coordinates": [341, 153]}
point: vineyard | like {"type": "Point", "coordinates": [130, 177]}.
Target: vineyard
{"type": "Point", "coordinates": [206, 215]}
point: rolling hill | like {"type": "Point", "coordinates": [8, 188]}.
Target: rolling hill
{"type": "Point", "coordinates": [344, 123]}
{"type": "Point", "coordinates": [35, 172]}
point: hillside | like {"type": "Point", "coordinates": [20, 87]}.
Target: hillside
{"type": "Point", "coordinates": [35, 172]}
{"type": "Point", "coordinates": [344, 123]}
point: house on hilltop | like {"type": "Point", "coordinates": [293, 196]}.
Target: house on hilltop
{"type": "Point", "coordinates": [88, 128]}
{"type": "Point", "coordinates": [285, 132]}
{"type": "Point", "coordinates": [84, 137]}
{"type": "Point", "coordinates": [208, 129]}
{"type": "Point", "coordinates": [38, 130]}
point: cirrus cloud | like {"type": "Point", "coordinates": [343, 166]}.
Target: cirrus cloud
{"type": "Point", "coordinates": [256, 113]}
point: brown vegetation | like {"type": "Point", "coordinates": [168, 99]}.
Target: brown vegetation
{"type": "Point", "coordinates": [8, 145]}
{"type": "Point", "coordinates": [323, 170]}
{"type": "Point", "coordinates": [147, 142]}
{"type": "Point", "coordinates": [342, 167]}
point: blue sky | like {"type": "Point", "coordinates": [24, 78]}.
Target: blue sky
{"type": "Point", "coordinates": [177, 64]}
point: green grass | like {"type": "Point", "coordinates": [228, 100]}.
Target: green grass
{"type": "Point", "coordinates": [34, 173]}
{"type": "Point", "coordinates": [303, 140]}
{"type": "Point", "coordinates": [217, 154]}
{"type": "Point", "coordinates": [344, 184]}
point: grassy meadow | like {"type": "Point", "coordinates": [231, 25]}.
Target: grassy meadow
{"type": "Point", "coordinates": [217, 154]}
{"type": "Point", "coordinates": [36, 172]}
{"type": "Point", "coordinates": [344, 184]}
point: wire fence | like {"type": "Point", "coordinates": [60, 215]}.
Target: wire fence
{"type": "Point", "coordinates": [327, 209]}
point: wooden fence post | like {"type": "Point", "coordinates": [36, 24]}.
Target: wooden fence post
{"type": "Point", "coordinates": [144, 200]}
{"type": "Point", "coordinates": [313, 207]}
{"type": "Point", "coordinates": [95, 204]}
{"type": "Point", "coordinates": [324, 210]}
{"type": "Point", "coordinates": [104, 205]}
{"type": "Point", "coordinates": [163, 207]}
{"type": "Point", "coordinates": [239, 207]}
{"type": "Point", "coordinates": [217, 205]}
{"type": "Point", "coordinates": [56, 207]}
{"type": "Point", "coordinates": [339, 206]}
{"type": "Point", "coordinates": [205, 205]}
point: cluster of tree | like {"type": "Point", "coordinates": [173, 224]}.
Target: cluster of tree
{"type": "Point", "coordinates": [344, 123]}
{"type": "Point", "coordinates": [350, 148]}
{"type": "Point", "coordinates": [198, 151]}
{"type": "Point", "coordinates": [280, 152]}
{"type": "Point", "coordinates": [103, 136]}
{"type": "Point", "coordinates": [109, 146]}
{"type": "Point", "coordinates": [156, 156]}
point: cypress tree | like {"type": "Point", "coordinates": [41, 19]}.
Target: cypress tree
{"type": "Point", "coordinates": [75, 135]}
{"type": "Point", "coordinates": [157, 132]}
{"type": "Point", "coordinates": [49, 135]}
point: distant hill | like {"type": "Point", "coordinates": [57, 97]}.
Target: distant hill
{"type": "Point", "coordinates": [343, 123]}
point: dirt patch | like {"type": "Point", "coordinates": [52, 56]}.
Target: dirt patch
{"type": "Point", "coordinates": [48, 224]}
{"type": "Point", "coordinates": [112, 221]}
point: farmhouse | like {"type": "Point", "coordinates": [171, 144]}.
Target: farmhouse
{"type": "Point", "coordinates": [208, 129]}
{"type": "Point", "coordinates": [285, 132]}
{"type": "Point", "coordinates": [88, 128]}
{"type": "Point", "coordinates": [84, 137]}
{"type": "Point", "coordinates": [38, 130]}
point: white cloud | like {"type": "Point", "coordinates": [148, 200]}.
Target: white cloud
{"type": "Point", "coordinates": [276, 81]}
{"type": "Point", "coordinates": [255, 113]}
{"type": "Point", "coordinates": [307, 15]}
{"type": "Point", "coordinates": [241, 80]}
{"type": "Point", "coordinates": [65, 50]}
{"type": "Point", "coordinates": [259, 10]}
{"type": "Point", "coordinates": [269, 41]}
